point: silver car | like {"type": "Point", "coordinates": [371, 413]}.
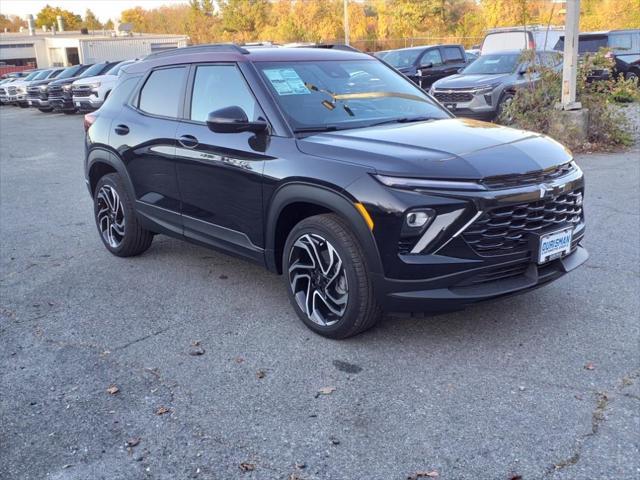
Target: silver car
{"type": "Point", "coordinates": [482, 89]}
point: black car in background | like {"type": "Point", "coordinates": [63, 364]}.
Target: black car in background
{"type": "Point", "coordinates": [330, 168]}
{"type": "Point", "coordinates": [623, 46]}
{"type": "Point", "coordinates": [424, 65]}
{"type": "Point", "coordinates": [60, 92]}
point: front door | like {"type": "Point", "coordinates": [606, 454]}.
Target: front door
{"type": "Point", "coordinates": [430, 67]}
{"type": "Point", "coordinates": [220, 174]}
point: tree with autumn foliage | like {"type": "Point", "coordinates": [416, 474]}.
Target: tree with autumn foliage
{"type": "Point", "coordinates": [373, 24]}
{"type": "Point", "coordinates": [48, 17]}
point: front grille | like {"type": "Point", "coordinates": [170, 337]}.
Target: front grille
{"type": "Point", "coordinates": [12, 90]}
{"type": "Point", "coordinates": [33, 93]}
{"type": "Point", "coordinates": [497, 273]}
{"type": "Point", "coordinates": [505, 230]}
{"type": "Point", "coordinates": [542, 176]}
{"type": "Point", "coordinates": [2, 91]}
{"type": "Point", "coordinates": [453, 96]}
{"type": "Point", "coordinates": [55, 91]}
{"type": "Point", "coordinates": [81, 91]}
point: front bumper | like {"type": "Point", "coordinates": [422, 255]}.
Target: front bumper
{"type": "Point", "coordinates": [459, 290]}
{"type": "Point", "coordinates": [87, 103]}
{"type": "Point", "coordinates": [467, 102]}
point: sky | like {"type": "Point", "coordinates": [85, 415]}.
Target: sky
{"type": "Point", "coordinates": [104, 9]}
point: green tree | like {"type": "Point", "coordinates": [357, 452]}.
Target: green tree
{"type": "Point", "coordinates": [91, 21]}
{"type": "Point", "coordinates": [109, 24]}
{"type": "Point", "coordinates": [47, 17]}
{"type": "Point", "coordinates": [11, 22]}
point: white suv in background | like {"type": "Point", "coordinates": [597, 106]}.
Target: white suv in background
{"type": "Point", "coordinates": [89, 93]}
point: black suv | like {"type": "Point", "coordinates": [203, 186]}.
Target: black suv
{"type": "Point", "coordinates": [329, 167]}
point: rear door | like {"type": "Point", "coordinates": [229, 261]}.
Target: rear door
{"type": "Point", "coordinates": [220, 174]}
{"type": "Point", "coordinates": [454, 59]}
{"type": "Point", "coordinates": [144, 134]}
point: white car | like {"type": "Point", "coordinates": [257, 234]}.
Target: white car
{"type": "Point", "coordinates": [90, 93]}
{"type": "Point", "coordinates": [14, 90]}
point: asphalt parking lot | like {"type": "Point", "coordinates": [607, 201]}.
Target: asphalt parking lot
{"type": "Point", "coordinates": [544, 385]}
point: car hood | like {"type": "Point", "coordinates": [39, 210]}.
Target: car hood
{"type": "Point", "coordinates": [461, 80]}
{"type": "Point", "coordinates": [94, 79]}
{"type": "Point", "coordinates": [64, 81]}
{"type": "Point", "coordinates": [37, 83]}
{"type": "Point", "coordinates": [454, 148]}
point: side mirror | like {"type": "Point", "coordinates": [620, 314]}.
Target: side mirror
{"type": "Point", "coordinates": [427, 65]}
{"type": "Point", "coordinates": [233, 120]}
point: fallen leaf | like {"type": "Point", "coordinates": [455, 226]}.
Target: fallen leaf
{"type": "Point", "coordinates": [196, 350]}
{"type": "Point", "coordinates": [68, 465]}
{"type": "Point", "coordinates": [515, 476]}
{"type": "Point", "coordinates": [247, 467]}
{"type": "Point", "coordinates": [195, 343]}
{"type": "Point", "coordinates": [132, 442]}
{"type": "Point", "coordinates": [325, 391]}
{"type": "Point", "coordinates": [161, 410]}
{"type": "Point", "coordinates": [423, 474]}
{"type": "Point", "coordinates": [590, 366]}
{"type": "Point", "coordinates": [239, 359]}
{"type": "Point", "coordinates": [260, 374]}
{"type": "Point", "coordinates": [113, 389]}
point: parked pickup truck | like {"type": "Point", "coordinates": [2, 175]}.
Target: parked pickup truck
{"type": "Point", "coordinates": [60, 96]}
{"type": "Point", "coordinates": [89, 93]}
{"type": "Point", "coordinates": [426, 64]}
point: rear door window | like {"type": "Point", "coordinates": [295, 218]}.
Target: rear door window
{"type": "Point", "coordinates": [620, 41]}
{"type": "Point", "coordinates": [592, 44]}
{"type": "Point", "coordinates": [453, 55]}
{"type": "Point", "coordinates": [162, 92]}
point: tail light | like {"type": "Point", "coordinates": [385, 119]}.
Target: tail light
{"type": "Point", "coordinates": [89, 119]}
{"type": "Point", "coordinates": [532, 44]}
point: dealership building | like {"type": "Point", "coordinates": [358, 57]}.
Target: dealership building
{"type": "Point", "coordinates": [37, 48]}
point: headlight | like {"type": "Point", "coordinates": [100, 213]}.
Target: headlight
{"type": "Point", "coordinates": [417, 183]}
{"type": "Point", "coordinates": [44, 88]}
{"type": "Point", "coordinates": [22, 89]}
{"type": "Point", "coordinates": [432, 90]}
{"type": "Point", "coordinates": [66, 87]}
{"type": "Point", "coordinates": [485, 88]}
{"type": "Point", "coordinates": [95, 86]}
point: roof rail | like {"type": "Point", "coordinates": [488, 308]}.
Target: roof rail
{"type": "Point", "coordinates": [205, 47]}
{"type": "Point", "coordinates": [333, 46]}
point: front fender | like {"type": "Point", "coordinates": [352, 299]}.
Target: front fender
{"type": "Point", "coordinates": [337, 202]}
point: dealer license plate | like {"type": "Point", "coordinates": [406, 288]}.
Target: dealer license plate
{"type": "Point", "coordinates": [555, 245]}
{"type": "Point", "coordinates": [451, 106]}
{"type": "Point", "coordinates": [77, 104]}
{"type": "Point", "coordinates": [30, 102]}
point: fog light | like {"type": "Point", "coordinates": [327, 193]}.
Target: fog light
{"type": "Point", "coordinates": [418, 219]}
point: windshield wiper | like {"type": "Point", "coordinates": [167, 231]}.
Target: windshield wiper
{"type": "Point", "coordinates": [319, 128]}
{"type": "Point", "coordinates": [402, 120]}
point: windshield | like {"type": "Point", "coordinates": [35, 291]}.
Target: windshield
{"type": "Point", "coordinates": [32, 75]}
{"type": "Point", "coordinates": [94, 70]}
{"type": "Point", "coordinates": [70, 72]}
{"type": "Point", "coordinates": [56, 73]}
{"type": "Point", "coordinates": [401, 58]}
{"type": "Point", "coordinates": [42, 75]}
{"type": "Point", "coordinates": [345, 94]}
{"type": "Point", "coordinates": [115, 70]}
{"type": "Point", "coordinates": [493, 64]}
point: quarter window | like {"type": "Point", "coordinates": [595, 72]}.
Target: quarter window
{"type": "Point", "coordinates": [221, 86]}
{"type": "Point", "coordinates": [452, 55]}
{"type": "Point", "coordinates": [620, 41]}
{"type": "Point", "coordinates": [162, 92]}
{"type": "Point", "coordinates": [431, 56]}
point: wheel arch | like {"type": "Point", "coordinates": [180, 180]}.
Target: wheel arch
{"type": "Point", "coordinates": [100, 162]}
{"type": "Point", "coordinates": [293, 202]}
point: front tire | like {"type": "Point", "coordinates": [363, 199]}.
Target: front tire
{"type": "Point", "coordinates": [46, 110]}
{"type": "Point", "coordinates": [116, 218]}
{"type": "Point", "coordinates": [327, 278]}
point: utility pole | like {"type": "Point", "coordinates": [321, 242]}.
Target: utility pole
{"type": "Point", "coordinates": [570, 65]}
{"type": "Point", "coordinates": [346, 22]}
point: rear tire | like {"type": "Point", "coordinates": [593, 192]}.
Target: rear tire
{"type": "Point", "coordinates": [505, 100]}
{"type": "Point", "coordinates": [46, 110]}
{"type": "Point", "coordinates": [327, 278]}
{"type": "Point", "coordinates": [116, 218]}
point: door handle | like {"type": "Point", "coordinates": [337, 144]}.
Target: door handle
{"type": "Point", "coordinates": [121, 129]}
{"type": "Point", "coordinates": [188, 141]}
